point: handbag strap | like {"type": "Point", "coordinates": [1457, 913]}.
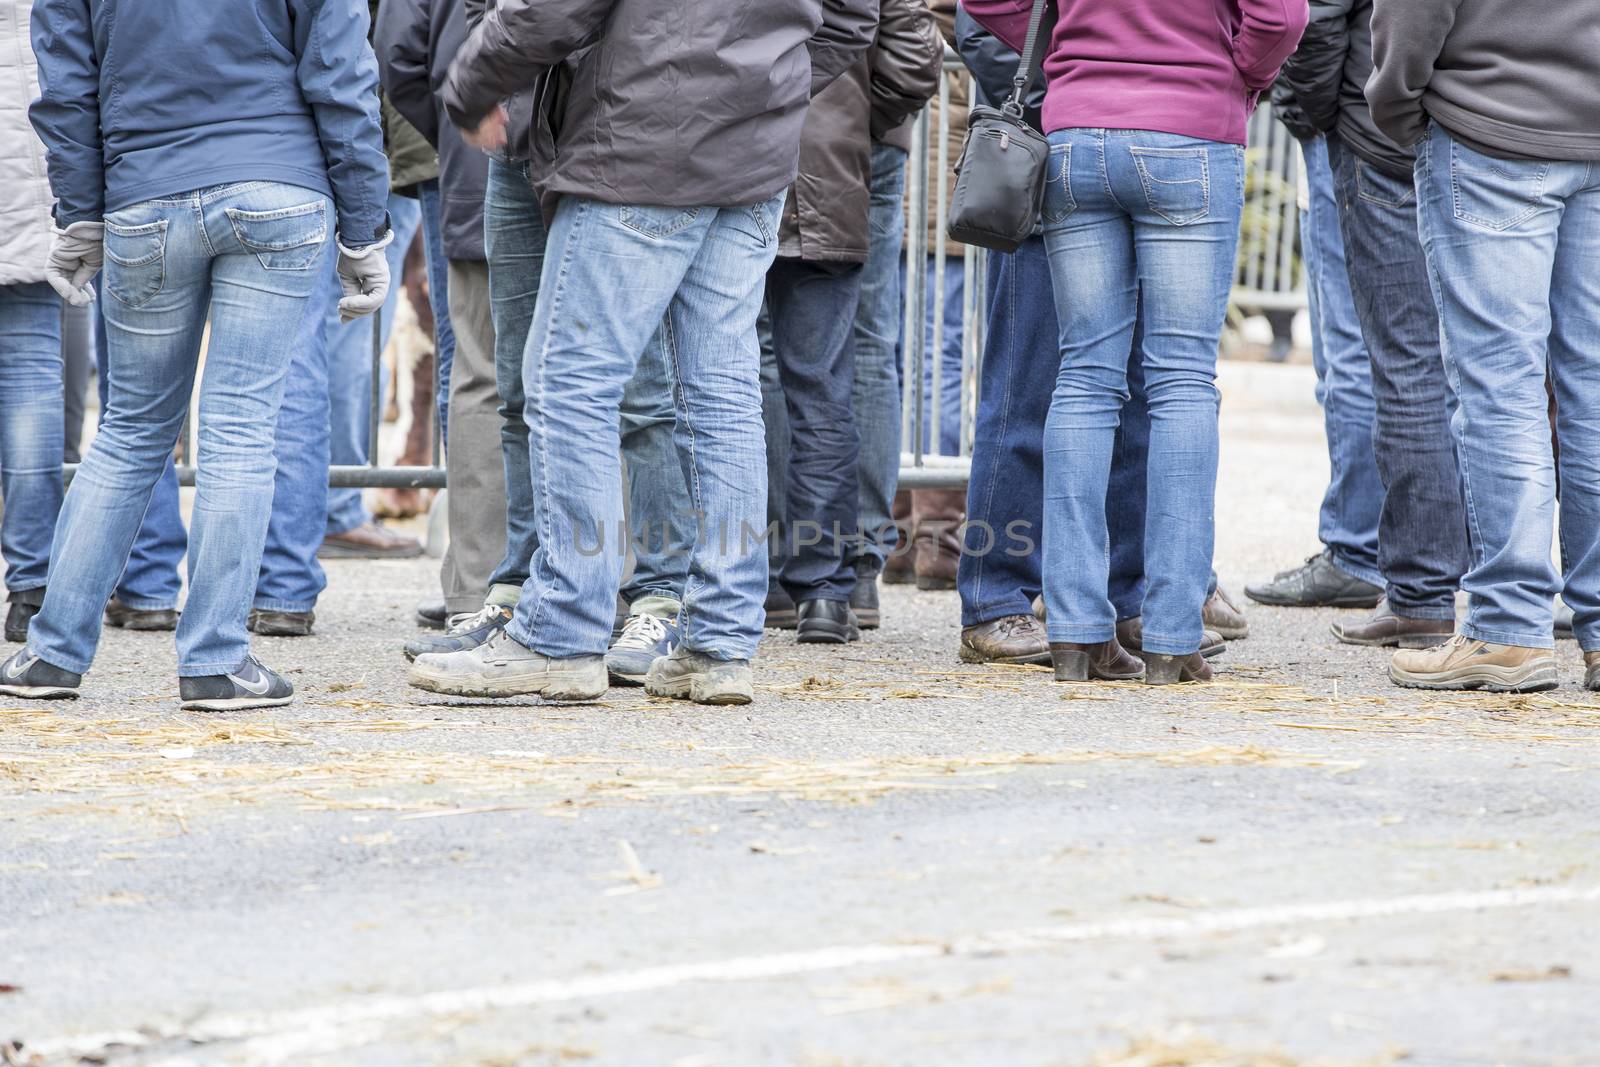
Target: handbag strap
{"type": "Point", "coordinates": [1032, 56]}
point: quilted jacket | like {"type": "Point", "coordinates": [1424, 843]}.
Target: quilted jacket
{"type": "Point", "coordinates": [24, 186]}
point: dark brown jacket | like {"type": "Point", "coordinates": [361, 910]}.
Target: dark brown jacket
{"type": "Point", "coordinates": [826, 216]}
{"type": "Point", "coordinates": [683, 104]}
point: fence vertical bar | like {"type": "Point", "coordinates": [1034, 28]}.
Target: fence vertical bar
{"type": "Point", "coordinates": [374, 410]}
{"type": "Point", "coordinates": [916, 286]}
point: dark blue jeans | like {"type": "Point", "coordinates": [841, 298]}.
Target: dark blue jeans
{"type": "Point", "coordinates": [812, 309]}
{"type": "Point", "coordinates": [1422, 536]}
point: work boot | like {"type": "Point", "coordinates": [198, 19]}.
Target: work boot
{"type": "Point", "coordinates": [123, 617]}
{"type": "Point", "coordinates": [466, 631]}
{"type": "Point", "coordinates": [1463, 663]}
{"type": "Point", "coordinates": [780, 609]}
{"type": "Point", "coordinates": [26, 675]}
{"type": "Point", "coordinates": [864, 600]}
{"type": "Point", "coordinates": [1012, 639]}
{"type": "Point", "coordinates": [370, 540]}
{"type": "Point", "coordinates": [24, 606]}
{"type": "Point", "coordinates": [251, 686]}
{"type": "Point", "coordinates": [826, 622]}
{"type": "Point", "coordinates": [502, 667]}
{"type": "Point", "coordinates": [281, 623]}
{"type": "Point", "coordinates": [1107, 661]}
{"type": "Point", "coordinates": [1317, 583]}
{"type": "Point", "coordinates": [647, 637]}
{"type": "Point", "coordinates": [1170, 670]}
{"type": "Point", "coordinates": [939, 515]}
{"type": "Point", "coordinates": [1591, 671]}
{"type": "Point", "coordinates": [1384, 629]}
{"type": "Point", "coordinates": [433, 614]}
{"type": "Point", "coordinates": [1222, 615]}
{"type": "Point", "coordinates": [1131, 633]}
{"type": "Point", "coordinates": [695, 676]}
{"type": "Point", "coordinates": [900, 566]}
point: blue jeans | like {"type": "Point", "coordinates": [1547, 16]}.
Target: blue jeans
{"type": "Point", "coordinates": [944, 348]}
{"type": "Point", "coordinates": [1511, 248]}
{"type": "Point", "coordinates": [32, 434]}
{"type": "Point", "coordinates": [350, 370]}
{"type": "Point", "coordinates": [1348, 527]}
{"type": "Point", "coordinates": [252, 255]}
{"type": "Point", "coordinates": [1422, 539]}
{"type": "Point", "coordinates": [444, 334]}
{"type": "Point", "coordinates": [614, 277]}
{"type": "Point", "coordinates": [662, 519]}
{"type": "Point", "coordinates": [1131, 214]}
{"type": "Point", "coordinates": [875, 396]}
{"type": "Point", "coordinates": [812, 310]}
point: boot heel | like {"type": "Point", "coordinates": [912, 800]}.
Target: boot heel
{"type": "Point", "coordinates": [1071, 666]}
{"type": "Point", "coordinates": [1163, 670]}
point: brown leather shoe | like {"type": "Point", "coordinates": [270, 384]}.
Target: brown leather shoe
{"type": "Point", "coordinates": [370, 540]}
{"type": "Point", "coordinates": [1223, 615]}
{"type": "Point", "coordinates": [1463, 663]}
{"type": "Point", "coordinates": [1384, 629]}
{"type": "Point", "coordinates": [1013, 639]}
{"type": "Point", "coordinates": [1591, 673]}
{"type": "Point", "coordinates": [939, 514]}
{"type": "Point", "coordinates": [1107, 661]}
{"type": "Point", "coordinates": [1170, 670]}
{"type": "Point", "coordinates": [281, 623]}
{"type": "Point", "coordinates": [1131, 633]}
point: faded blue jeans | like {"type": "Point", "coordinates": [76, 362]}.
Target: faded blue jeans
{"type": "Point", "coordinates": [1512, 247]}
{"type": "Point", "coordinates": [1128, 215]}
{"type": "Point", "coordinates": [444, 333]}
{"type": "Point", "coordinates": [251, 255]}
{"type": "Point", "coordinates": [615, 277]}
{"type": "Point", "coordinates": [32, 434]}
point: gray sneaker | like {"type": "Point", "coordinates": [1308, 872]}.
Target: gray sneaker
{"type": "Point", "coordinates": [1317, 583]}
{"type": "Point", "coordinates": [26, 675]}
{"type": "Point", "coordinates": [466, 631]}
{"type": "Point", "coordinates": [501, 667]}
{"type": "Point", "coordinates": [251, 686]}
{"type": "Point", "coordinates": [695, 676]}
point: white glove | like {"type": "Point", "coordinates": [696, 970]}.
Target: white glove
{"type": "Point", "coordinates": [364, 277]}
{"type": "Point", "coordinates": [76, 255]}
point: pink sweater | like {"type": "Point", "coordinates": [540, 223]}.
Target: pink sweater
{"type": "Point", "coordinates": [1191, 67]}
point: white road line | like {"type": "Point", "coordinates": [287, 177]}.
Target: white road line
{"type": "Point", "coordinates": [271, 1036]}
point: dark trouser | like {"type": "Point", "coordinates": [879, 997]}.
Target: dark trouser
{"type": "Point", "coordinates": [1422, 535]}
{"type": "Point", "coordinates": [812, 308]}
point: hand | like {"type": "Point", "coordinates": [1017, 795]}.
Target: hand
{"type": "Point", "coordinates": [76, 255]}
{"type": "Point", "coordinates": [364, 277]}
{"type": "Point", "coordinates": [491, 132]}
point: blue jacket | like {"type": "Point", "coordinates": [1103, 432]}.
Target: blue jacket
{"type": "Point", "coordinates": [142, 99]}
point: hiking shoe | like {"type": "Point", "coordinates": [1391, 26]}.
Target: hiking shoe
{"type": "Point", "coordinates": [503, 667]}
{"type": "Point", "coordinates": [1107, 661]}
{"type": "Point", "coordinates": [370, 540]}
{"type": "Point", "coordinates": [645, 639]}
{"type": "Point", "coordinates": [466, 631]}
{"type": "Point", "coordinates": [24, 606]}
{"type": "Point", "coordinates": [433, 615]}
{"type": "Point", "coordinates": [826, 622]}
{"type": "Point", "coordinates": [1384, 629]}
{"type": "Point", "coordinates": [124, 617]}
{"type": "Point", "coordinates": [26, 675]}
{"type": "Point", "coordinates": [1223, 616]}
{"type": "Point", "coordinates": [780, 609]}
{"type": "Point", "coordinates": [695, 676]}
{"type": "Point", "coordinates": [1317, 583]}
{"type": "Point", "coordinates": [1012, 639]}
{"type": "Point", "coordinates": [1462, 663]}
{"type": "Point", "coordinates": [282, 623]}
{"type": "Point", "coordinates": [864, 600]}
{"type": "Point", "coordinates": [251, 686]}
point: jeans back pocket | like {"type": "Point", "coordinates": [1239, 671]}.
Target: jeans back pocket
{"type": "Point", "coordinates": [286, 238]}
{"type": "Point", "coordinates": [1495, 194]}
{"type": "Point", "coordinates": [1058, 199]}
{"type": "Point", "coordinates": [1177, 182]}
{"type": "Point", "coordinates": [136, 261]}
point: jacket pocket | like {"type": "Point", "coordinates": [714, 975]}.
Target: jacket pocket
{"type": "Point", "coordinates": [286, 238]}
{"type": "Point", "coordinates": [1495, 194]}
{"type": "Point", "coordinates": [1177, 182]}
{"type": "Point", "coordinates": [1058, 199]}
{"type": "Point", "coordinates": [136, 261]}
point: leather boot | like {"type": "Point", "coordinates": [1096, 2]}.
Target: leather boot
{"type": "Point", "coordinates": [1169, 670]}
{"type": "Point", "coordinates": [900, 567]}
{"type": "Point", "coordinates": [1107, 661]}
{"type": "Point", "coordinates": [938, 515]}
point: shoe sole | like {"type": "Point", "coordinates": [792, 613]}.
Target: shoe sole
{"type": "Point", "coordinates": [972, 655]}
{"type": "Point", "coordinates": [279, 631]}
{"type": "Point", "coordinates": [692, 688]}
{"type": "Point", "coordinates": [40, 692]}
{"type": "Point", "coordinates": [237, 703]}
{"type": "Point", "coordinates": [1337, 602]}
{"type": "Point", "coordinates": [566, 686]}
{"type": "Point", "coordinates": [1482, 676]}
{"type": "Point", "coordinates": [1409, 641]}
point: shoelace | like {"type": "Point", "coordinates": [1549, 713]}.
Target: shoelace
{"type": "Point", "coordinates": [641, 633]}
{"type": "Point", "coordinates": [1010, 627]}
{"type": "Point", "coordinates": [462, 624]}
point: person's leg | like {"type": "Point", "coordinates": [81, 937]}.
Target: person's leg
{"type": "Point", "coordinates": [661, 521]}
{"type": "Point", "coordinates": [444, 334]}
{"type": "Point", "coordinates": [955, 289]}
{"type": "Point", "coordinates": [31, 436]}
{"type": "Point", "coordinates": [775, 421]}
{"type": "Point", "coordinates": [77, 356]}
{"type": "Point", "coordinates": [156, 289]}
{"type": "Point", "coordinates": [1422, 546]}
{"type": "Point", "coordinates": [1127, 493]}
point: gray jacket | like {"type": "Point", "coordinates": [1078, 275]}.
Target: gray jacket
{"type": "Point", "coordinates": [687, 104]}
{"type": "Point", "coordinates": [1328, 77]}
{"type": "Point", "coordinates": [25, 198]}
{"type": "Point", "coordinates": [1512, 78]}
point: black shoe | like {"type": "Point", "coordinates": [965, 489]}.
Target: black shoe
{"type": "Point", "coordinates": [470, 631]}
{"type": "Point", "coordinates": [433, 615]}
{"type": "Point", "coordinates": [864, 601]}
{"type": "Point", "coordinates": [24, 606]}
{"type": "Point", "coordinates": [282, 623]}
{"type": "Point", "coordinates": [251, 686]}
{"type": "Point", "coordinates": [780, 609]}
{"type": "Point", "coordinates": [123, 617]}
{"type": "Point", "coordinates": [1318, 583]}
{"type": "Point", "coordinates": [26, 675]}
{"type": "Point", "coordinates": [826, 622]}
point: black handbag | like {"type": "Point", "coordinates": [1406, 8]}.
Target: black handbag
{"type": "Point", "coordinates": [1000, 179]}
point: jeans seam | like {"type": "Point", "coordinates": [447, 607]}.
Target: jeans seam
{"type": "Point", "coordinates": [680, 397]}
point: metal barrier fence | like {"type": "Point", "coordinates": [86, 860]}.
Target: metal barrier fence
{"type": "Point", "coordinates": [1269, 278]}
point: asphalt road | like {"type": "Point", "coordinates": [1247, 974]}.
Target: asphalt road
{"type": "Point", "coordinates": [890, 859]}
